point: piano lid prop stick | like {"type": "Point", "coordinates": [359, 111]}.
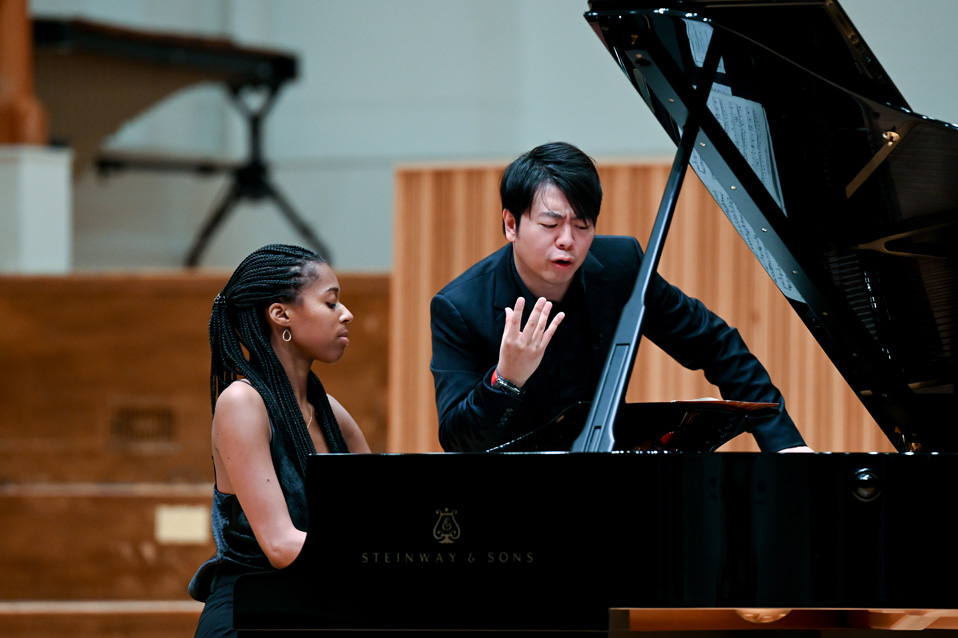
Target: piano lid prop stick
{"type": "Point", "coordinates": [598, 434]}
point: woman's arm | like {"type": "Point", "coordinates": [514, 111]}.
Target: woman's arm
{"type": "Point", "coordinates": [355, 440]}
{"type": "Point", "coordinates": [244, 467]}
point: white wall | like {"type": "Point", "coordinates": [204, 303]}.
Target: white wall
{"type": "Point", "coordinates": [388, 81]}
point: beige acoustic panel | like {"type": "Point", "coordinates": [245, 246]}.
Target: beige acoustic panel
{"type": "Point", "coordinates": [448, 217]}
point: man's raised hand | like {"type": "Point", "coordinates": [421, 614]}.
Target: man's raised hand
{"type": "Point", "coordinates": [521, 351]}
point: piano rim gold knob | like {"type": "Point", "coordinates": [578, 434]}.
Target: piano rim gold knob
{"type": "Point", "coordinates": [762, 616]}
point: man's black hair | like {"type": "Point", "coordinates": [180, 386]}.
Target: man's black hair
{"type": "Point", "coordinates": [559, 164]}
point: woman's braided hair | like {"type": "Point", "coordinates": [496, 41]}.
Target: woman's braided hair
{"type": "Point", "coordinates": [274, 273]}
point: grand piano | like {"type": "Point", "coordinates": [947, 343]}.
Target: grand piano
{"type": "Point", "coordinates": [847, 199]}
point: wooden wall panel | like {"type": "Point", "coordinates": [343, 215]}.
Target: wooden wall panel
{"type": "Point", "coordinates": [98, 542]}
{"type": "Point", "coordinates": [105, 378]}
{"type": "Point", "coordinates": [99, 620]}
{"type": "Point", "coordinates": [105, 469]}
{"type": "Point", "coordinates": [447, 218]}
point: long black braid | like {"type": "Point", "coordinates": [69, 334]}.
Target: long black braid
{"type": "Point", "coordinates": [274, 273]}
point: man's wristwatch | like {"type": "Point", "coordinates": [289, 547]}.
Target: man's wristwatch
{"type": "Point", "coordinates": [505, 385]}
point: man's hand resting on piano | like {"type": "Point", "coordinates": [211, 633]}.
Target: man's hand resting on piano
{"type": "Point", "coordinates": [797, 448]}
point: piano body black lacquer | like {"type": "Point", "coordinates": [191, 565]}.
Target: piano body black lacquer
{"type": "Point", "coordinates": [848, 200]}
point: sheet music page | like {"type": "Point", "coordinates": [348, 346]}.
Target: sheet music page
{"type": "Point", "coordinates": [746, 124]}
{"type": "Point", "coordinates": [700, 34]}
{"type": "Point", "coordinates": [752, 238]}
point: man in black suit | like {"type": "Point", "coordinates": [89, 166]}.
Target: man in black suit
{"type": "Point", "coordinates": [498, 378]}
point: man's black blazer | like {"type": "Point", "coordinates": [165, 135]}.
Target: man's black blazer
{"type": "Point", "coordinates": [467, 321]}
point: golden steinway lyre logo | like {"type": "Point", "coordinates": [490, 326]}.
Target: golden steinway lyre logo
{"type": "Point", "coordinates": [446, 530]}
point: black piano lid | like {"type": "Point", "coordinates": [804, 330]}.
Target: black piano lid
{"type": "Point", "coordinates": [846, 197]}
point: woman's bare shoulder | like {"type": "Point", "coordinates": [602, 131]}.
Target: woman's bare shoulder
{"type": "Point", "coordinates": [240, 407]}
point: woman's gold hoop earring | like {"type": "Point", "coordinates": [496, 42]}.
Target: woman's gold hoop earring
{"type": "Point", "coordinates": [287, 335]}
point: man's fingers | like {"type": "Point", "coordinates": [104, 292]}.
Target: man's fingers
{"type": "Point", "coordinates": [520, 352]}
{"type": "Point", "coordinates": [518, 308]}
{"type": "Point", "coordinates": [542, 321]}
{"type": "Point", "coordinates": [514, 318]}
{"type": "Point", "coordinates": [537, 310]}
{"type": "Point", "coordinates": [552, 326]}
{"type": "Point", "coordinates": [537, 326]}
